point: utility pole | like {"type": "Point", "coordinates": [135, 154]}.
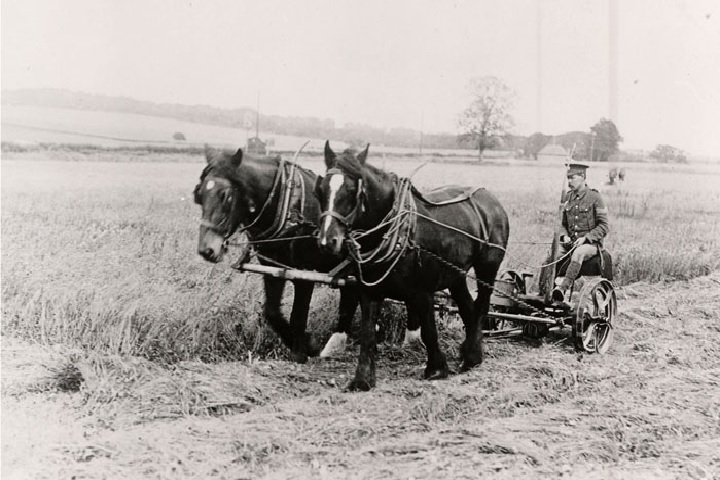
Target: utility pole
{"type": "Point", "coordinates": [422, 126]}
{"type": "Point", "coordinates": [538, 68]}
{"type": "Point", "coordinates": [613, 60]}
{"type": "Point", "coordinates": [257, 118]}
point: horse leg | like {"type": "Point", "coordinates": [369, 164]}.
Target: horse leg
{"type": "Point", "coordinates": [471, 349]}
{"type": "Point", "coordinates": [412, 330]}
{"type": "Point", "coordinates": [349, 299]}
{"type": "Point", "coordinates": [302, 345]}
{"type": "Point", "coordinates": [365, 373]}
{"type": "Point", "coordinates": [485, 274]}
{"type": "Point", "coordinates": [420, 306]}
{"type": "Point", "coordinates": [273, 295]}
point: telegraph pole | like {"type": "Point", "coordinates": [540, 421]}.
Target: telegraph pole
{"type": "Point", "coordinates": [257, 117]}
{"type": "Point", "coordinates": [422, 126]}
{"type": "Point", "coordinates": [538, 68]}
{"type": "Point", "coordinates": [613, 60]}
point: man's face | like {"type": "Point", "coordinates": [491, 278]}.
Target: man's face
{"type": "Point", "coordinates": [575, 182]}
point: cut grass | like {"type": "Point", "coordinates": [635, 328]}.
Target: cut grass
{"type": "Point", "coordinates": [101, 255]}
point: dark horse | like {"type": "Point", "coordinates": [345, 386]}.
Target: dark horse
{"type": "Point", "coordinates": [272, 200]}
{"type": "Point", "coordinates": [409, 246]}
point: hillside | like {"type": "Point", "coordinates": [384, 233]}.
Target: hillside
{"type": "Point", "coordinates": [238, 119]}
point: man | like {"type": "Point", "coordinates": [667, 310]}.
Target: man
{"type": "Point", "coordinates": [584, 225]}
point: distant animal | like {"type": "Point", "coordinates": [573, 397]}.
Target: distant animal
{"type": "Point", "coordinates": [621, 174]}
{"type": "Point", "coordinates": [271, 199]}
{"type": "Point", "coordinates": [408, 246]}
{"type": "Point", "coordinates": [612, 175]}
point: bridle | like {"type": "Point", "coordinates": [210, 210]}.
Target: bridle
{"type": "Point", "coordinates": [349, 220]}
{"type": "Point", "coordinates": [279, 224]}
{"type": "Point", "coordinates": [225, 228]}
{"type": "Point", "coordinates": [397, 230]}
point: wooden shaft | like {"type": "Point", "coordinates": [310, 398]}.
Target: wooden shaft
{"type": "Point", "coordinates": [528, 318]}
{"type": "Point", "coordinates": [289, 274]}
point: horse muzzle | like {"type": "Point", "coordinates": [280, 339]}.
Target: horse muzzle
{"type": "Point", "coordinates": [211, 247]}
{"type": "Point", "coordinates": [331, 244]}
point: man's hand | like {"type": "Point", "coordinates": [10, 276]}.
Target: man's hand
{"type": "Point", "coordinates": [579, 241]}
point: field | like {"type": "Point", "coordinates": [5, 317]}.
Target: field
{"type": "Point", "coordinates": [124, 354]}
{"type": "Point", "coordinates": [31, 125]}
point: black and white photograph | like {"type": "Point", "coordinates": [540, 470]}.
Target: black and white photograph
{"type": "Point", "coordinates": [400, 239]}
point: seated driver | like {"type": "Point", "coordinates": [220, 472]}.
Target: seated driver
{"type": "Point", "coordinates": [584, 226]}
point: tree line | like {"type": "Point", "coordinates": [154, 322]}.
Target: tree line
{"type": "Point", "coordinates": [486, 123]}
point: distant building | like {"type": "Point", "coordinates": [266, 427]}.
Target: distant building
{"type": "Point", "coordinates": [255, 146]}
{"type": "Point", "coordinates": [552, 153]}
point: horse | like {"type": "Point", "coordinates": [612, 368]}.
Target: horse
{"type": "Point", "coordinates": [406, 245]}
{"type": "Point", "coordinates": [272, 201]}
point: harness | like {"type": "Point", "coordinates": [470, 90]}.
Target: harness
{"type": "Point", "coordinates": [289, 184]}
{"type": "Point", "coordinates": [283, 213]}
{"type": "Point", "coordinates": [359, 203]}
{"type": "Point", "coordinates": [400, 223]}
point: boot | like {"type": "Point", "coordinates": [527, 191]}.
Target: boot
{"type": "Point", "coordinates": [559, 293]}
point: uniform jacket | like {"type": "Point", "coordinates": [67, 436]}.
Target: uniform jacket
{"type": "Point", "coordinates": [585, 214]}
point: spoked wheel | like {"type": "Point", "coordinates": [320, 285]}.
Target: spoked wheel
{"type": "Point", "coordinates": [595, 316]}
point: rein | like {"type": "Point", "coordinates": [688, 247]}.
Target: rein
{"type": "Point", "coordinates": [346, 221]}
{"type": "Point", "coordinates": [281, 216]}
{"type": "Point", "coordinates": [400, 222]}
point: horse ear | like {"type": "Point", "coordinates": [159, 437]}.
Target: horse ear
{"type": "Point", "coordinates": [362, 156]}
{"type": "Point", "coordinates": [329, 155]}
{"type": "Point", "coordinates": [237, 158]}
{"type": "Point", "coordinates": [209, 153]}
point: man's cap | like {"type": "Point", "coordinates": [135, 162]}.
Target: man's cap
{"type": "Point", "coordinates": [577, 169]}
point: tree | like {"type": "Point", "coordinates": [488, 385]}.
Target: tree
{"type": "Point", "coordinates": [488, 115]}
{"type": "Point", "coordinates": [604, 140]}
{"type": "Point", "coordinates": [667, 153]}
{"type": "Point", "coordinates": [535, 143]}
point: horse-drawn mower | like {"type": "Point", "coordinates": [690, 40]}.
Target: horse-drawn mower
{"type": "Point", "coordinates": [589, 314]}
{"type": "Point", "coordinates": [589, 308]}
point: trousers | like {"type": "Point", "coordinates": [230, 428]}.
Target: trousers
{"type": "Point", "coordinates": [581, 253]}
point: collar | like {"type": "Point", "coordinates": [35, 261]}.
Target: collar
{"type": "Point", "coordinates": [580, 193]}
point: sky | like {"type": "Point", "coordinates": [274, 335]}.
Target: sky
{"type": "Point", "coordinates": [652, 66]}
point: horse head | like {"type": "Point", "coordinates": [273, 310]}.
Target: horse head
{"type": "Point", "coordinates": [221, 196]}
{"type": "Point", "coordinates": [352, 195]}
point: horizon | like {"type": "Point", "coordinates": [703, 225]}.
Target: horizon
{"type": "Point", "coordinates": [571, 63]}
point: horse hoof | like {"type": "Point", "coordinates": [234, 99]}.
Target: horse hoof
{"type": "Point", "coordinates": [360, 385]}
{"type": "Point", "coordinates": [299, 357]}
{"type": "Point", "coordinates": [335, 346]}
{"type": "Point", "coordinates": [412, 339]}
{"type": "Point", "coordinates": [469, 365]}
{"type": "Point", "coordinates": [436, 373]}
{"type": "Point", "coordinates": [311, 347]}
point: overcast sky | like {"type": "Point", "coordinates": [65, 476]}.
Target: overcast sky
{"type": "Point", "coordinates": [388, 63]}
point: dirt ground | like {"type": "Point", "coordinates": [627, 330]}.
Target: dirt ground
{"type": "Point", "coordinates": [650, 408]}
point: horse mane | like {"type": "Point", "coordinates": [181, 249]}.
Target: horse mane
{"type": "Point", "coordinates": [349, 164]}
{"type": "Point", "coordinates": [221, 166]}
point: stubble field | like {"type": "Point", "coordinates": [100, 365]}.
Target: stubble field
{"type": "Point", "coordinates": [124, 354]}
